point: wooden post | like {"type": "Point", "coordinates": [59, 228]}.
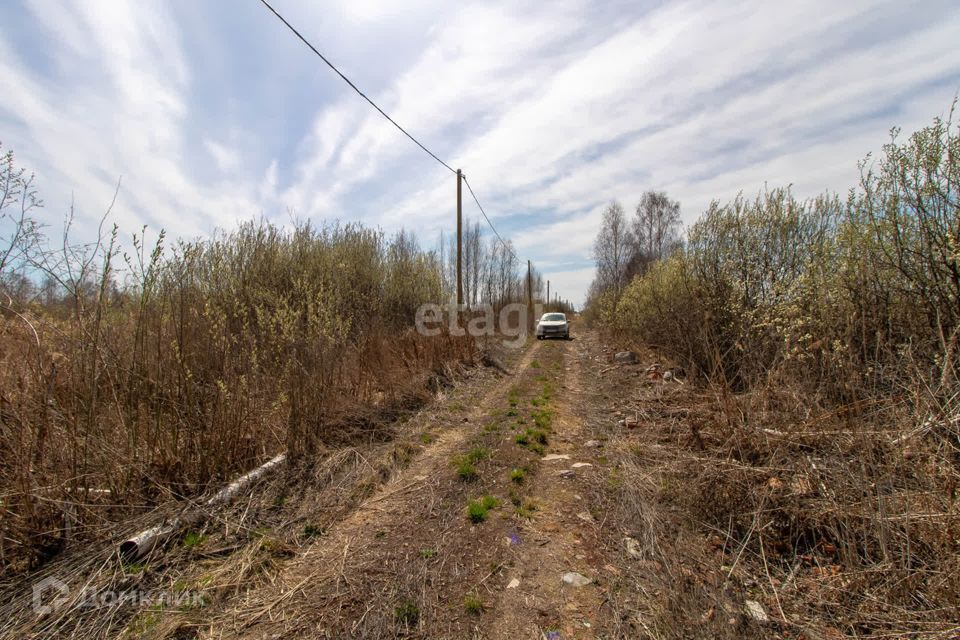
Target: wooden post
{"type": "Point", "coordinates": [530, 294]}
{"type": "Point", "coordinates": [548, 292]}
{"type": "Point", "coordinates": [459, 240]}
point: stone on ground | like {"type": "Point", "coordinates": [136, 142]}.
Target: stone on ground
{"type": "Point", "coordinates": [575, 579]}
{"type": "Point", "coordinates": [755, 609]}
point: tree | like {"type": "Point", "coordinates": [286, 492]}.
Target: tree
{"type": "Point", "coordinates": [474, 259]}
{"type": "Point", "coordinates": [17, 199]}
{"type": "Point", "coordinates": [656, 227]}
{"type": "Point", "coordinates": [613, 248]}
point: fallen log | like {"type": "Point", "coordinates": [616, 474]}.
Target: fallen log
{"type": "Point", "coordinates": [146, 541]}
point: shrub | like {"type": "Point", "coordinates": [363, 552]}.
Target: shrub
{"type": "Point", "coordinates": [203, 359]}
{"type": "Point", "coordinates": [828, 331]}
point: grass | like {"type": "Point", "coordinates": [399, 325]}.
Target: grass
{"type": "Point", "coordinates": [466, 464]}
{"type": "Point", "coordinates": [477, 510]}
{"type": "Point", "coordinates": [473, 604]}
{"type": "Point", "coordinates": [535, 364]}
{"type": "Point", "coordinates": [466, 471]}
{"type": "Point", "coordinates": [143, 622]}
{"type": "Point", "coordinates": [133, 568]}
{"type": "Point", "coordinates": [192, 540]}
{"type": "Point", "coordinates": [273, 545]}
{"type": "Point", "coordinates": [518, 476]}
{"type": "Point", "coordinates": [526, 508]}
{"type": "Point", "coordinates": [428, 553]}
{"type": "Point", "coordinates": [531, 437]}
{"type": "Point", "coordinates": [542, 418]}
{"type": "Point", "coordinates": [477, 454]}
{"type": "Point", "coordinates": [313, 531]}
{"type": "Point", "coordinates": [426, 438]}
{"type": "Point", "coordinates": [513, 396]}
{"type": "Point", "coordinates": [407, 613]}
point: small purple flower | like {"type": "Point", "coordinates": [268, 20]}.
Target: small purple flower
{"type": "Point", "coordinates": [514, 538]}
{"type": "Point", "coordinates": [552, 635]}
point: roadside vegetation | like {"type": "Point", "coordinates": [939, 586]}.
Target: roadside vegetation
{"type": "Point", "coordinates": [822, 336]}
{"type": "Point", "coordinates": [133, 373]}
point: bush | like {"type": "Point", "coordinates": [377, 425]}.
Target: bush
{"type": "Point", "coordinates": [207, 358]}
{"type": "Point", "coordinates": [851, 298]}
{"type": "Point", "coordinates": [828, 330]}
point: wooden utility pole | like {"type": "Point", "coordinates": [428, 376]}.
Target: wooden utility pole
{"type": "Point", "coordinates": [548, 292]}
{"type": "Point", "coordinates": [459, 240]}
{"type": "Point", "coordinates": [529, 292]}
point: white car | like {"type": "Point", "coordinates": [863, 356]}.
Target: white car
{"type": "Point", "coordinates": [553, 325]}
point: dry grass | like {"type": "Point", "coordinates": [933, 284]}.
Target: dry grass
{"type": "Point", "coordinates": [234, 556]}
{"type": "Point", "coordinates": [212, 358]}
{"type": "Point", "coordinates": [839, 521]}
{"type": "Point", "coordinates": [818, 441]}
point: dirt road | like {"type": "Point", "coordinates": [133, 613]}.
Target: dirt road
{"type": "Point", "coordinates": [411, 561]}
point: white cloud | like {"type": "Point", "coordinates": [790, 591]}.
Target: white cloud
{"type": "Point", "coordinates": [571, 284]}
{"type": "Point", "coordinates": [551, 109]}
{"type": "Point", "coordinates": [226, 158]}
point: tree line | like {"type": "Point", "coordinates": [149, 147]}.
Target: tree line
{"type": "Point", "coordinates": [820, 337]}
{"type": "Point", "coordinates": [625, 248]}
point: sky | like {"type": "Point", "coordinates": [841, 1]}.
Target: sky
{"type": "Point", "coordinates": [211, 113]}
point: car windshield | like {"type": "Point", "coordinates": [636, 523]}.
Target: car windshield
{"type": "Point", "coordinates": [552, 317]}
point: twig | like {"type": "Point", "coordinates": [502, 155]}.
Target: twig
{"type": "Point", "coordinates": [753, 526]}
{"type": "Point", "coordinates": [766, 570]}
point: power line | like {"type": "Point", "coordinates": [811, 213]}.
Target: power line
{"type": "Point", "coordinates": [353, 86]}
{"type": "Point", "coordinates": [391, 120]}
{"type": "Point", "coordinates": [479, 206]}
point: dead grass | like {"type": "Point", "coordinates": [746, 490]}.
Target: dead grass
{"type": "Point", "coordinates": [838, 521]}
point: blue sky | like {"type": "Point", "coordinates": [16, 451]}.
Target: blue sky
{"type": "Point", "coordinates": [213, 113]}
